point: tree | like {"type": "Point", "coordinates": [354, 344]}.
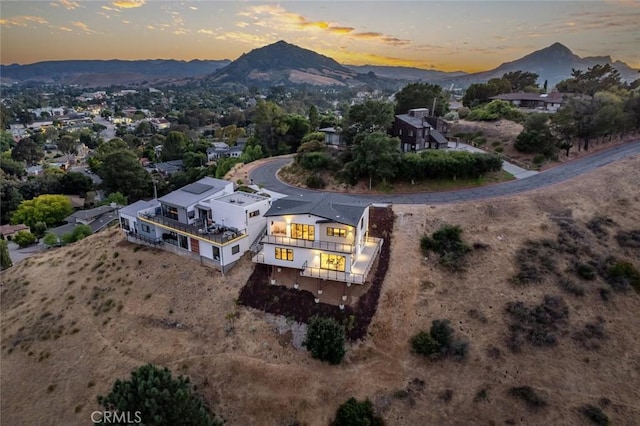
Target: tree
{"type": "Point", "coordinates": [10, 197]}
{"type": "Point", "coordinates": [194, 159]}
{"type": "Point", "coordinates": [75, 183]}
{"type": "Point", "coordinates": [536, 136]}
{"type": "Point", "coordinates": [27, 150]}
{"type": "Point", "coordinates": [356, 413]}
{"type": "Point", "coordinates": [314, 117]}
{"type": "Point", "coordinates": [595, 79]}
{"type": "Point", "coordinates": [5, 258]}
{"type": "Point", "coordinates": [174, 146]}
{"type": "Point", "coordinates": [47, 208]}
{"type": "Point", "coordinates": [13, 168]}
{"type": "Point", "coordinates": [422, 95]}
{"type": "Point", "coordinates": [160, 399]}
{"type": "Point", "coordinates": [67, 145]}
{"type": "Point", "coordinates": [325, 339]}
{"type": "Point", "coordinates": [6, 141]}
{"type": "Point", "coordinates": [368, 117]}
{"type": "Point", "coordinates": [24, 239]}
{"type": "Point", "coordinates": [375, 156]}
{"type": "Point", "coordinates": [270, 125]}
{"type": "Point", "coordinates": [520, 80]}
{"type": "Point", "coordinates": [121, 172]}
{"type": "Point", "coordinates": [115, 197]}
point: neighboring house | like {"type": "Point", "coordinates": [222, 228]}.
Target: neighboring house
{"type": "Point", "coordinates": [160, 123]}
{"type": "Point", "coordinates": [550, 102]}
{"type": "Point", "coordinates": [97, 219]}
{"type": "Point", "coordinates": [217, 150]}
{"type": "Point", "coordinates": [34, 170]}
{"type": "Point", "coordinates": [205, 220]}
{"type": "Point", "coordinates": [7, 232]}
{"type": "Point", "coordinates": [417, 132]}
{"type": "Point", "coordinates": [235, 152]}
{"type": "Point", "coordinates": [169, 167]}
{"type": "Point", "coordinates": [322, 236]}
{"type": "Point", "coordinates": [331, 136]}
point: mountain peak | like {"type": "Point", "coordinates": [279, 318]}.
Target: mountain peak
{"type": "Point", "coordinates": [559, 47]}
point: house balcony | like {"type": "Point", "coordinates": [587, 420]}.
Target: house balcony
{"type": "Point", "coordinates": [359, 269]}
{"type": "Point", "coordinates": [216, 234]}
{"type": "Point", "coordinates": [297, 242]}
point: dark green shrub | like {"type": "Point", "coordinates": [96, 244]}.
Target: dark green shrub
{"type": "Point", "coordinates": [325, 339]}
{"type": "Point", "coordinates": [423, 344]}
{"type": "Point", "coordinates": [160, 399]}
{"type": "Point", "coordinates": [313, 161]}
{"type": "Point", "coordinates": [585, 271]}
{"type": "Point", "coordinates": [595, 414]}
{"type": "Point", "coordinates": [447, 243]}
{"type": "Point", "coordinates": [529, 396]}
{"type": "Point", "coordinates": [357, 413]}
{"type": "Point", "coordinates": [623, 275]}
{"type": "Point", "coordinates": [442, 332]}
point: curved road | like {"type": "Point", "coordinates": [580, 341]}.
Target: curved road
{"type": "Point", "coordinates": [266, 175]}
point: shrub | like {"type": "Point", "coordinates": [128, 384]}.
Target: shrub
{"type": "Point", "coordinates": [528, 395]}
{"type": "Point", "coordinates": [439, 342]}
{"type": "Point", "coordinates": [622, 275]}
{"type": "Point", "coordinates": [325, 339]}
{"type": "Point", "coordinates": [160, 399]}
{"type": "Point", "coordinates": [51, 239]}
{"type": "Point", "coordinates": [629, 239]}
{"type": "Point", "coordinates": [313, 161]}
{"type": "Point", "coordinates": [356, 413]}
{"type": "Point", "coordinates": [595, 414]}
{"type": "Point", "coordinates": [448, 244]}
{"type": "Point", "coordinates": [316, 182]}
{"type": "Point", "coordinates": [571, 287]}
{"type": "Point", "coordinates": [24, 239]}
{"type": "Point", "coordinates": [585, 271]}
{"type": "Point", "coordinates": [536, 324]}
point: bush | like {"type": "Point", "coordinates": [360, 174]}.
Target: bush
{"type": "Point", "coordinates": [447, 243]}
{"type": "Point", "coordinates": [315, 182]}
{"type": "Point", "coordinates": [623, 275]}
{"type": "Point", "coordinates": [313, 161]}
{"type": "Point", "coordinates": [529, 396]}
{"type": "Point", "coordinates": [629, 239]}
{"type": "Point", "coordinates": [24, 239]}
{"type": "Point", "coordinates": [356, 413]}
{"type": "Point", "coordinates": [5, 258]}
{"type": "Point", "coordinates": [325, 339]}
{"type": "Point", "coordinates": [537, 324]}
{"type": "Point", "coordinates": [78, 233]}
{"type": "Point", "coordinates": [51, 240]}
{"type": "Point", "coordinates": [439, 342]}
{"type": "Point", "coordinates": [595, 414]}
{"type": "Point", "coordinates": [585, 271]}
{"type": "Point", "coordinates": [160, 399]}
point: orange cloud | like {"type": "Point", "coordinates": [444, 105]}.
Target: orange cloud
{"type": "Point", "coordinates": [69, 4]}
{"type": "Point", "coordinates": [208, 32]}
{"type": "Point", "coordinates": [84, 27]}
{"type": "Point", "coordinates": [128, 4]}
{"type": "Point", "coordinates": [22, 21]}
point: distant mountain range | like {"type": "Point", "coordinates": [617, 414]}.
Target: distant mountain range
{"type": "Point", "coordinates": [282, 63]}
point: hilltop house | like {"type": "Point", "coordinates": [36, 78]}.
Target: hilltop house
{"type": "Point", "coordinates": [331, 136]}
{"type": "Point", "coordinates": [206, 221]}
{"type": "Point", "coordinates": [549, 102]}
{"type": "Point", "coordinates": [417, 132]}
{"type": "Point", "coordinates": [322, 236]}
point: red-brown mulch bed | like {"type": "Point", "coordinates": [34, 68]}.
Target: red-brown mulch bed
{"type": "Point", "coordinates": [300, 305]}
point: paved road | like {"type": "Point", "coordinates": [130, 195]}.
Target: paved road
{"type": "Point", "coordinates": [266, 175]}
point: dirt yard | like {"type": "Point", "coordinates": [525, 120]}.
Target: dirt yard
{"type": "Point", "coordinates": [76, 318]}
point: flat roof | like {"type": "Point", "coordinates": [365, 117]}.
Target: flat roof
{"type": "Point", "coordinates": [194, 192]}
{"type": "Point", "coordinates": [241, 198]}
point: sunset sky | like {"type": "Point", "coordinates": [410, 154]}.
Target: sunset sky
{"type": "Point", "coordinates": [454, 35]}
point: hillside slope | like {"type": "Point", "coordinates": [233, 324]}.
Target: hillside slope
{"type": "Point", "coordinates": [63, 342]}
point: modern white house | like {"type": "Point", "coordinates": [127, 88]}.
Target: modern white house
{"type": "Point", "coordinates": [206, 220]}
{"type": "Point", "coordinates": [322, 236]}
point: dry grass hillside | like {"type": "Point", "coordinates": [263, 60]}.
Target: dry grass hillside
{"type": "Point", "coordinates": [76, 318]}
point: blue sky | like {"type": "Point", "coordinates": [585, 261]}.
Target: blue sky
{"type": "Point", "coordinates": [453, 35]}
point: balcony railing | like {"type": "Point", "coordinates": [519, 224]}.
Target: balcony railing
{"type": "Point", "coordinates": [328, 274]}
{"type": "Point", "coordinates": [320, 245]}
{"type": "Point", "coordinates": [153, 241]}
{"type": "Point", "coordinates": [215, 234]}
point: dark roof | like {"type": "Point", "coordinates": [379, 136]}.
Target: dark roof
{"type": "Point", "coordinates": [90, 213]}
{"type": "Point", "coordinates": [332, 207]}
{"type": "Point", "coordinates": [417, 122]}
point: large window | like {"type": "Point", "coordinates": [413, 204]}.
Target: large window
{"type": "Point", "coordinates": [254, 213]}
{"type": "Point", "coordinates": [336, 232]}
{"type": "Point", "coordinates": [332, 262]}
{"type": "Point", "coordinates": [284, 253]}
{"type": "Point", "coordinates": [235, 249]}
{"type": "Point", "coordinates": [183, 241]}
{"type": "Point", "coordinates": [125, 223]}
{"type": "Point", "coordinates": [170, 212]}
{"type": "Point", "coordinates": [303, 232]}
{"type": "Point", "coordinates": [145, 228]}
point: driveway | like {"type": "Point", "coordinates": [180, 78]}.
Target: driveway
{"type": "Point", "coordinates": [266, 175]}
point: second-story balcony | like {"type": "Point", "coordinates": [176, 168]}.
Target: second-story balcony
{"type": "Point", "coordinates": [297, 242]}
{"type": "Point", "coordinates": [216, 234]}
